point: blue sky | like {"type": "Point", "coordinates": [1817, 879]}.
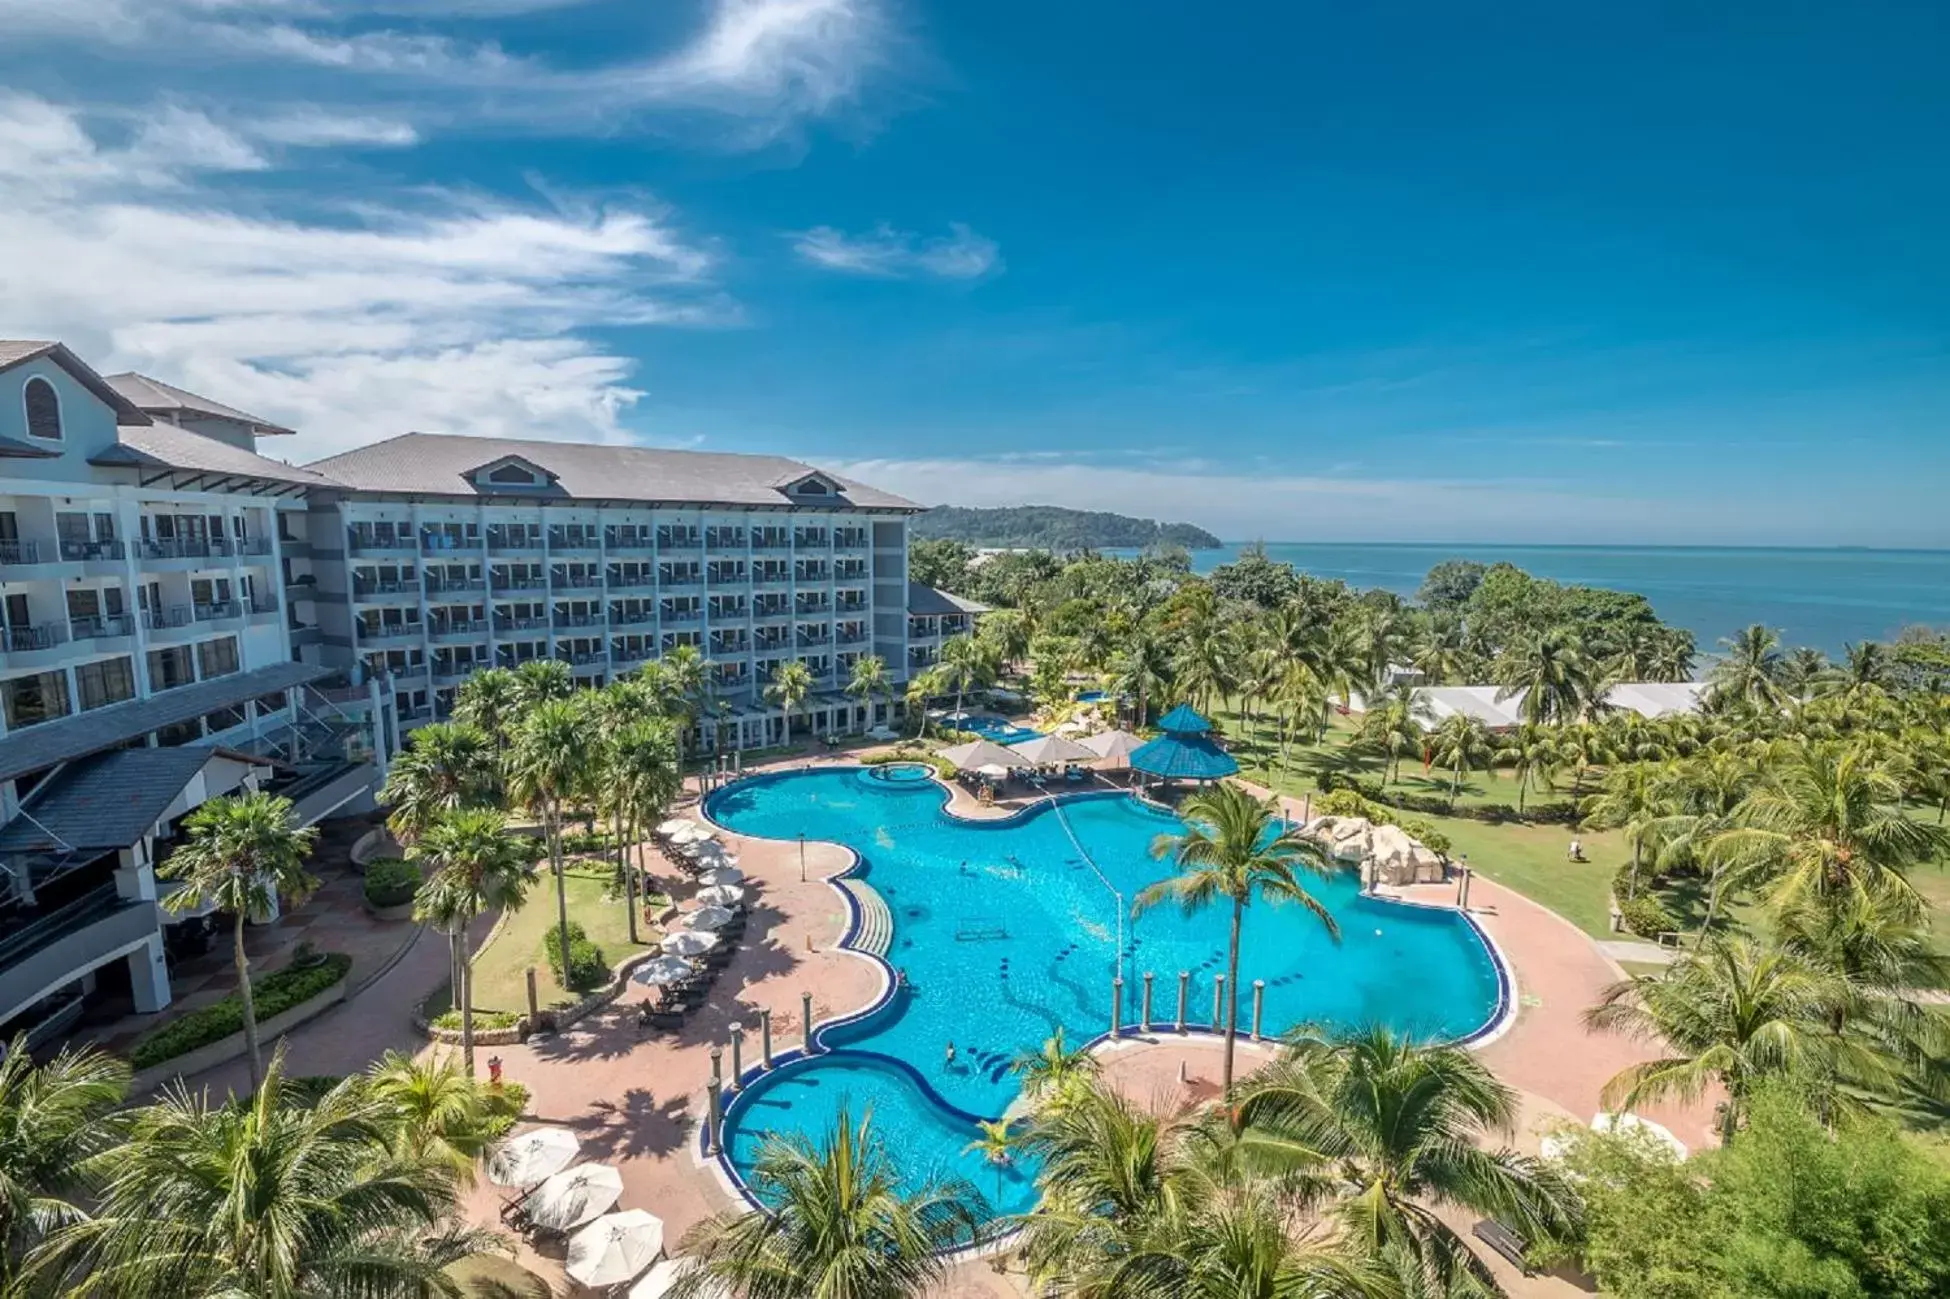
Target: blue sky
{"type": "Point", "coordinates": [1531, 272]}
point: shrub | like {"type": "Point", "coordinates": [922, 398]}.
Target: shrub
{"type": "Point", "coordinates": [942, 767]}
{"type": "Point", "coordinates": [273, 994]}
{"type": "Point", "coordinates": [391, 882]}
{"type": "Point", "coordinates": [587, 968]}
{"type": "Point", "coordinates": [1543, 812]}
{"type": "Point", "coordinates": [1646, 916]}
{"type": "Point", "coordinates": [505, 1106]}
{"type": "Point", "coordinates": [1353, 802]}
{"type": "Point", "coordinates": [588, 841]}
{"type": "Point", "coordinates": [483, 1019]}
{"type": "Point", "coordinates": [1424, 833]}
{"type": "Point", "coordinates": [1345, 802]}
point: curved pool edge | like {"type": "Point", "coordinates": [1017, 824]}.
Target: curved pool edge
{"type": "Point", "coordinates": [1502, 1017]}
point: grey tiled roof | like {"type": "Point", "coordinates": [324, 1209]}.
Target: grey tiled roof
{"type": "Point", "coordinates": [165, 446]}
{"type": "Point", "coordinates": [78, 736]}
{"type": "Point", "coordinates": [929, 600]}
{"type": "Point", "coordinates": [106, 801]}
{"type": "Point", "coordinates": [15, 351]}
{"type": "Point", "coordinates": [157, 397]}
{"type": "Point", "coordinates": [440, 464]}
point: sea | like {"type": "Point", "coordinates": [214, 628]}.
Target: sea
{"type": "Point", "coordinates": [1827, 598]}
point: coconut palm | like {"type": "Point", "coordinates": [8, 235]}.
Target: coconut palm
{"type": "Point", "coordinates": [1206, 666]}
{"type": "Point", "coordinates": [965, 665]}
{"type": "Point", "coordinates": [1734, 1014]}
{"type": "Point", "coordinates": [1750, 671]}
{"type": "Point", "coordinates": [869, 681]}
{"type": "Point", "coordinates": [539, 680]}
{"type": "Point", "coordinates": [54, 1117]}
{"type": "Point", "coordinates": [1635, 800]}
{"type": "Point", "coordinates": [445, 766]}
{"type": "Point", "coordinates": [1237, 848]}
{"type": "Point", "coordinates": [1583, 745]}
{"type": "Point", "coordinates": [1436, 649]}
{"type": "Point", "coordinates": [1803, 672]}
{"type": "Point", "coordinates": [1548, 667]}
{"type": "Point", "coordinates": [1461, 746]}
{"type": "Point", "coordinates": [1007, 632]}
{"type": "Point", "coordinates": [436, 1113]}
{"type": "Point", "coordinates": [1381, 1131]}
{"type": "Point", "coordinates": [1393, 726]}
{"type": "Point", "coordinates": [285, 1195]}
{"type": "Point", "coordinates": [837, 1223]}
{"type": "Point", "coordinates": [642, 778]}
{"type": "Point", "coordinates": [683, 681]}
{"type": "Point", "coordinates": [473, 866]}
{"type": "Point", "coordinates": [241, 855]}
{"type": "Point", "coordinates": [489, 701]}
{"type": "Point", "coordinates": [1141, 670]}
{"type": "Point", "coordinates": [1533, 753]}
{"type": "Point", "coordinates": [549, 764]}
{"type": "Point", "coordinates": [996, 1145]}
{"type": "Point", "coordinates": [791, 683]}
{"type": "Point", "coordinates": [1053, 1073]}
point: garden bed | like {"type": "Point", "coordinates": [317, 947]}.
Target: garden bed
{"type": "Point", "coordinates": [205, 1038]}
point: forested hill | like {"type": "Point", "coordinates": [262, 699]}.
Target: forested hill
{"type": "Point", "coordinates": [1051, 527]}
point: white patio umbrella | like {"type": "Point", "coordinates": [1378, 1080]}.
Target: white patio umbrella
{"type": "Point", "coordinates": [721, 895]}
{"type": "Point", "coordinates": [983, 753]}
{"type": "Point", "coordinates": [1628, 1122]}
{"type": "Point", "coordinates": [1046, 749]}
{"type": "Point", "coordinates": [707, 918]}
{"type": "Point", "coordinates": [574, 1196]}
{"type": "Point", "coordinates": [721, 875]}
{"type": "Point", "coordinates": [1113, 745]}
{"type": "Point", "coordinates": [662, 971]}
{"type": "Point", "coordinates": [676, 825]}
{"type": "Point", "coordinates": [659, 1280]}
{"type": "Point", "coordinates": [689, 942]}
{"type": "Point", "coordinates": [710, 853]}
{"type": "Point", "coordinates": [615, 1247]}
{"type": "Point", "coordinates": [532, 1156]}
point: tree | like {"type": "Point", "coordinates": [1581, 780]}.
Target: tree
{"type": "Point", "coordinates": [54, 1118]}
{"type": "Point", "coordinates": [445, 766]}
{"type": "Point", "coordinates": [1256, 579]}
{"type": "Point", "coordinates": [1237, 848]}
{"type": "Point", "coordinates": [435, 1114]}
{"type": "Point", "coordinates": [921, 687]}
{"type": "Point", "coordinates": [473, 866]}
{"type": "Point", "coordinates": [489, 702]}
{"type": "Point", "coordinates": [285, 1195]}
{"type": "Point", "coordinates": [1141, 670]}
{"type": "Point", "coordinates": [1549, 669]}
{"type": "Point", "coordinates": [644, 778]}
{"type": "Point", "coordinates": [1382, 1129]}
{"type": "Point", "coordinates": [1533, 754]}
{"type": "Point", "coordinates": [1392, 726]}
{"type": "Point", "coordinates": [242, 854]}
{"type": "Point", "coordinates": [1436, 650]}
{"type": "Point", "coordinates": [1634, 800]}
{"type": "Point", "coordinates": [549, 763]}
{"type": "Point", "coordinates": [1007, 632]}
{"type": "Point", "coordinates": [1450, 583]}
{"type": "Point", "coordinates": [996, 1145]}
{"type": "Point", "coordinates": [1461, 745]}
{"type": "Point", "coordinates": [1052, 1075]}
{"type": "Point", "coordinates": [837, 1222]}
{"type": "Point", "coordinates": [965, 665]}
{"type": "Point", "coordinates": [1751, 669]}
{"type": "Point", "coordinates": [869, 681]}
{"type": "Point", "coordinates": [538, 681]}
{"type": "Point", "coordinates": [939, 562]}
{"type": "Point", "coordinates": [791, 683]}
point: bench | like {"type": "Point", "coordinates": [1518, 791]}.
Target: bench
{"type": "Point", "coordinates": [1503, 1240]}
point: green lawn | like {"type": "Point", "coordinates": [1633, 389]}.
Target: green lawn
{"type": "Point", "coordinates": [500, 972]}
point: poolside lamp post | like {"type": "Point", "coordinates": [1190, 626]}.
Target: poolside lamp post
{"type": "Point", "coordinates": [802, 856]}
{"type": "Point", "coordinates": [1147, 1001]}
{"type": "Point", "coordinates": [805, 1017]}
{"type": "Point", "coordinates": [1219, 1002]}
{"type": "Point", "coordinates": [1116, 1006]}
{"type": "Point", "coordinates": [1184, 984]}
{"type": "Point", "coordinates": [738, 1053]}
{"type": "Point", "coordinates": [765, 1039]}
{"type": "Point", "coordinates": [713, 1116]}
{"type": "Point", "coordinates": [1462, 883]}
{"type": "Point", "coordinates": [1259, 1003]}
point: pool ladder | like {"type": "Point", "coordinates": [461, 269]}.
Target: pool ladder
{"type": "Point", "coordinates": [876, 932]}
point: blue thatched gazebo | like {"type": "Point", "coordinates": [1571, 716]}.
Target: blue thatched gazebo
{"type": "Point", "coordinates": [1186, 750]}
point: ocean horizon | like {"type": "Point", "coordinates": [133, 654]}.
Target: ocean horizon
{"type": "Point", "coordinates": [1825, 596]}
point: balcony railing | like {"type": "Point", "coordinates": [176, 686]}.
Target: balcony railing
{"type": "Point", "coordinates": [455, 671]}
{"type": "Point", "coordinates": [771, 543]}
{"type": "Point", "coordinates": [502, 542]}
{"type": "Point", "coordinates": [79, 549]}
{"type": "Point", "coordinates": [579, 620]}
{"type": "Point", "coordinates": [679, 541]}
{"type": "Point", "coordinates": [619, 618]}
{"type": "Point", "coordinates": [730, 646]}
{"type": "Point", "coordinates": [729, 576]}
{"type": "Point", "coordinates": [629, 543]}
{"type": "Point", "coordinates": [101, 627]}
{"type": "Point", "coordinates": [41, 636]}
{"type": "Point", "coordinates": [583, 658]}
{"type": "Point", "coordinates": [436, 543]}
{"type": "Point", "coordinates": [574, 541]}
{"type": "Point", "coordinates": [217, 610]}
{"type": "Point", "coordinates": [813, 642]}
{"type": "Point", "coordinates": [458, 627]}
{"type": "Point", "coordinates": [367, 544]}
{"type": "Point", "coordinates": [631, 653]}
{"type": "Point", "coordinates": [684, 618]}
{"type": "Point", "coordinates": [575, 581]}
{"type": "Point", "coordinates": [632, 581]}
{"type": "Point", "coordinates": [502, 626]}
{"type": "Point", "coordinates": [20, 552]}
{"type": "Point", "coordinates": [455, 586]}
{"type": "Point", "coordinates": [254, 546]}
{"type": "Point", "coordinates": [392, 631]}
{"type": "Point", "coordinates": [725, 540]}
{"type": "Point", "coordinates": [182, 548]}
{"type": "Point", "coordinates": [811, 540]}
{"type": "Point", "coordinates": [689, 582]}
{"type": "Point", "coordinates": [503, 585]}
{"type": "Point", "coordinates": [370, 590]}
{"type": "Point", "coordinates": [730, 612]}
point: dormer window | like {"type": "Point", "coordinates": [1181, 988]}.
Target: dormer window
{"type": "Point", "coordinates": [512, 476]}
{"type": "Point", "coordinates": [814, 485]}
{"type": "Point", "coordinates": [511, 471]}
{"type": "Point", "coordinates": [43, 409]}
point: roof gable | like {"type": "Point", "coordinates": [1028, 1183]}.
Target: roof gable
{"type": "Point", "coordinates": [159, 398]}
{"type": "Point", "coordinates": [512, 473]}
{"type": "Point", "coordinates": [20, 351]}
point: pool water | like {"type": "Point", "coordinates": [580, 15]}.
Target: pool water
{"type": "Point", "coordinates": [1007, 930]}
{"type": "Point", "coordinates": [998, 730]}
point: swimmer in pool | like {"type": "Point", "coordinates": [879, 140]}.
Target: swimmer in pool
{"type": "Point", "coordinates": [951, 1054]}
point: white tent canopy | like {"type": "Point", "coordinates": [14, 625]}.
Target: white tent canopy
{"type": "Point", "coordinates": [983, 753]}
{"type": "Point", "coordinates": [615, 1247]}
{"type": "Point", "coordinates": [1047, 749]}
{"type": "Point", "coordinates": [569, 1199]}
{"type": "Point", "coordinates": [533, 1157]}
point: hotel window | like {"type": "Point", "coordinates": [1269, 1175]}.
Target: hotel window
{"type": "Point", "coordinates": [43, 409]}
{"type": "Point", "coordinates": [216, 658]}
{"type": "Point", "coordinates": [108, 682]}
{"type": "Point", "coordinates": [30, 700]}
{"type": "Point", "coordinates": [172, 667]}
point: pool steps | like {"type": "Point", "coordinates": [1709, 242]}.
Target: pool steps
{"type": "Point", "coordinates": [875, 933]}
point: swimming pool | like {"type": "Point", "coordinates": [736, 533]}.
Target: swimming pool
{"type": "Point", "coordinates": [999, 730]}
{"type": "Point", "coordinates": [1006, 930]}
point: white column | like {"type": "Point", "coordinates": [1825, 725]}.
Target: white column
{"type": "Point", "coordinates": [135, 879]}
{"type": "Point", "coordinates": [149, 976]}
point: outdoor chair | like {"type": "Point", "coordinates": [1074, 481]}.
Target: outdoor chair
{"type": "Point", "coordinates": [1503, 1240]}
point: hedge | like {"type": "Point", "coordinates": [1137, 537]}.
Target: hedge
{"type": "Point", "coordinates": [1646, 916]}
{"type": "Point", "coordinates": [587, 969]}
{"type": "Point", "coordinates": [1546, 812]}
{"type": "Point", "coordinates": [942, 767]}
{"type": "Point", "coordinates": [483, 1020]}
{"type": "Point", "coordinates": [272, 993]}
{"type": "Point", "coordinates": [391, 882]}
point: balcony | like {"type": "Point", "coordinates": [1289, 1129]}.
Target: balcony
{"type": "Point", "coordinates": [460, 629]}
{"type": "Point", "coordinates": [359, 544]}
{"type": "Point", "coordinates": [771, 543]}
{"type": "Point", "coordinates": [511, 585]}
{"type": "Point", "coordinates": [583, 658]}
{"type": "Point", "coordinates": [639, 618]}
{"type": "Point", "coordinates": [453, 590]}
{"type": "Point", "coordinates": [21, 553]}
{"type": "Point", "coordinates": [672, 543]}
{"type": "Point", "coordinates": [25, 640]}
{"type": "Point", "coordinates": [813, 642]}
{"type": "Point", "coordinates": [632, 582]}
{"type": "Point", "coordinates": [263, 610]}
{"type": "Point", "coordinates": [63, 944]}
{"type": "Point", "coordinates": [253, 547]}
{"type": "Point", "coordinates": [506, 543]}
{"type": "Point", "coordinates": [811, 541]}
{"type": "Point", "coordinates": [392, 631]}
{"type": "Point", "coordinates": [855, 638]}
{"type": "Point", "coordinates": [849, 606]}
{"type": "Point", "coordinates": [103, 627]}
{"type": "Point", "coordinates": [730, 612]}
{"type": "Point", "coordinates": [686, 582]}
{"type": "Point", "coordinates": [77, 551]}
{"type": "Point", "coordinates": [574, 543]}
{"type": "Point", "coordinates": [504, 626]}
{"type": "Point", "coordinates": [770, 646]}
{"type": "Point", "coordinates": [621, 655]}
{"type": "Point", "coordinates": [414, 716]}
{"type": "Point", "coordinates": [686, 618]}
{"type": "Point", "coordinates": [452, 673]}
{"type": "Point", "coordinates": [628, 543]}
{"type": "Point", "coordinates": [770, 613]}
{"type": "Point", "coordinates": [575, 581]}
{"type": "Point", "coordinates": [729, 576]}
{"type": "Point", "coordinates": [436, 543]}
{"type": "Point", "coordinates": [391, 592]}
{"type": "Point", "coordinates": [570, 620]}
{"type": "Point", "coordinates": [731, 646]}
{"type": "Point", "coordinates": [725, 540]}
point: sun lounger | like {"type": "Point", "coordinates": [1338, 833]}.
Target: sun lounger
{"type": "Point", "coordinates": [1503, 1240]}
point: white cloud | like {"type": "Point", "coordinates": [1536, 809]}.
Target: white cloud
{"type": "Point", "coordinates": [313, 127]}
{"type": "Point", "coordinates": [961, 254]}
{"type": "Point", "coordinates": [449, 313]}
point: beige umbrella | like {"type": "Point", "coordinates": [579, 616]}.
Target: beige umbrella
{"type": "Point", "coordinates": [721, 875]}
{"type": "Point", "coordinates": [1114, 746]}
{"type": "Point", "coordinates": [662, 971]}
{"type": "Point", "coordinates": [983, 753]}
{"type": "Point", "coordinates": [1045, 750]}
{"type": "Point", "coordinates": [659, 1280]}
{"type": "Point", "coordinates": [676, 825]}
{"type": "Point", "coordinates": [689, 942]}
{"type": "Point", "coordinates": [615, 1247]}
{"type": "Point", "coordinates": [532, 1156]}
{"type": "Point", "coordinates": [573, 1197]}
{"type": "Point", "coordinates": [707, 918]}
{"type": "Point", "coordinates": [721, 895]}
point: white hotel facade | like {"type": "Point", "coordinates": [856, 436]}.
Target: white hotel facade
{"type": "Point", "coordinates": [181, 617]}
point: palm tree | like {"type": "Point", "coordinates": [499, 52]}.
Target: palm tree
{"type": "Point", "coordinates": [1461, 745]}
{"type": "Point", "coordinates": [445, 766]}
{"type": "Point", "coordinates": [837, 1222]}
{"type": "Point", "coordinates": [489, 702]}
{"type": "Point", "coordinates": [644, 777]}
{"type": "Point", "coordinates": [1052, 1074]}
{"type": "Point", "coordinates": [1206, 665]}
{"type": "Point", "coordinates": [921, 687]}
{"type": "Point", "coordinates": [438, 1115]}
{"type": "Point", "coordinates": [869, 681]}
{"type": "Point", "coordinates": [1436, 650]}
{"type": "Point", "coordinates": [791, 682]}
{"type": "Point", "coordinates": [1392, 726]}
{"type": "Point", "coordinates": [548, 765]}
{"type": "Point", "coordinates": [1007, 632]}
{"type": "Point", "coordinates": [684, 682]}
{"type": "Point", "coordinates": [1751, 669]}
{"type": "Point", "coordinates": [54, 1117]}
{"type": "Point", "coordinates": [281, 1196]}
{"type": "Point", "coordinates": [1585, 745]}
{"type": "Point", "coordinates": [1803, 671]}
{"type": "Point", "coordinates": [965, 665]}
{"type": "Point", "coordinates": [473, 866]}
{"type": "Point", "coordinates": [1142, 670]}
{"type": "Point", "coordinates": [242, 854]}
{"type": "Point", "coordinates": [997, 1146]}
{"type": "Point", "coordinates": [1236, 847]}
{"type": "Point", "coordinates": [1548, 668]}
{"type": "Point", "coordinates": [1633, 799]}
{"type": "Point", "coordinates": [539, 680]}
{"type": "Point", "coordinates": [1384, 1130]}
{"type": "Point", "coordinates": [1533, 754]}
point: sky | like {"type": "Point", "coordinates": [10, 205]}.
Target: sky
{"type": "Point", "coordinates": [1529, 272]}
